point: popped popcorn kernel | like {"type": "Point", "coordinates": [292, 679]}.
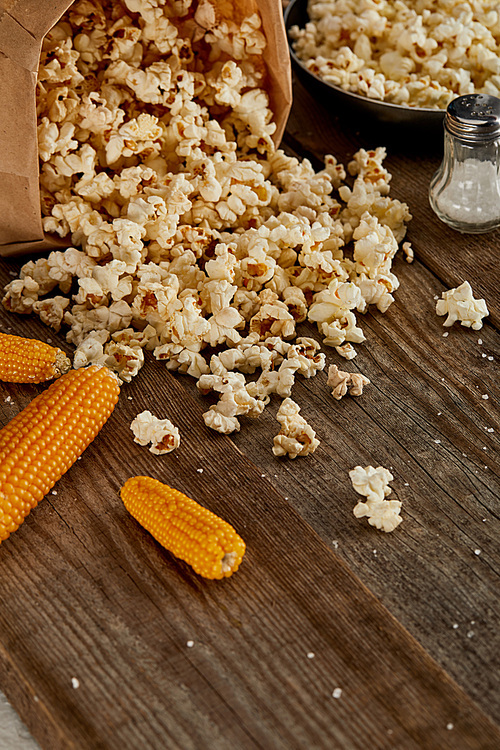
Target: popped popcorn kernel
{"type": "Point", "coordinates": [459, 304]}
{"type": "Point", "coordinates": [296, 437]}
{"type": "Point", "coordinates": [373, 483]}
{"type": "Point", "coordinates": [161, 433]}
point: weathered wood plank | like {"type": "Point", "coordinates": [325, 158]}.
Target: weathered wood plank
{"type": "Point", "coordinates": [87, 594]}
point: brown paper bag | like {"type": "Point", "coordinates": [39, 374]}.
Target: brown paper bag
{"type": "Point", "coordinates": [23, 25]}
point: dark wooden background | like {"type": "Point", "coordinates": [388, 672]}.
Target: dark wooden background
{"type": "Point", "coordinates": [406, 624]}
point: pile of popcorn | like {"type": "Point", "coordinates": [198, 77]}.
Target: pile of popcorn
{"type": "Point", "coordinates": [190, 234]}
{"type": "Point", "coordinates": [417, 53]}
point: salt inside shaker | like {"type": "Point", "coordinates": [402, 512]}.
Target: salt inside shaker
{"type": "Point", "coordinates": [465, 190]}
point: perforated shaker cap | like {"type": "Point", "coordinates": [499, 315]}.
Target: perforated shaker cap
{"type": "Point", "coordinates": [474, 118]}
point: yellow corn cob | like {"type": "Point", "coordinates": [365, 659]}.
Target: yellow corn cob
{"type": "Point", "coordinates": [186, 529]}
{"type": "Point", "coordinates": [29, 360]}
{"type": "Point", "coordinates": [41, 442]}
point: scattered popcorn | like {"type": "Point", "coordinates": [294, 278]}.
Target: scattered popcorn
{"type": "Point", "coordinates": [459, 304]}
{"type": "Point", "coordinates": [296, 437]}
{"type": "Point", "coordinates": [374, 484]}
{"type": "Point", "coordinates": [190, 234]}
{"type": "Point", "coordinates": [412, 54]}
{"type": "Point", "coordinates": [161, 433]}
{"type": "Point", "coordinates": [341, 382]}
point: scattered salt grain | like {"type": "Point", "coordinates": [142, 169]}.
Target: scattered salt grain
{"type": "Point", "coordinates": [470, 634]}
{"type": "Point", "coordinates": [490, 359]}
{"type": "Point", "coordinates": [449, 726]}
{"type": "Point", "coordinates": [480, 341]}
{"type": "Point", "coordinates": [54, 492]}
{"type": "Point", "coordinates": [455, 626]}
{"type": "Point", "coordinates": [310, 655]}
{"type": "Point", "coordinates": [75, 683]}
{"type": "Point", "coordinates": [190, 644]}
{"type": "Point", "coordinates": [485, 396]}
{"type": "Point", "coordinates": [483, 355]}
{"type": "Point", "coordinates": [477, 551]}
{"type": "Point", "coordinates": [437, 441]}
{"type": "Point", "coordinates": [445, 334]}
{"type": "Point", "coordinates": [200, 471]}
{"type": "Point", "coordinates": [337, 692]}
{"type": "Point", "coordinates": [335, 544]}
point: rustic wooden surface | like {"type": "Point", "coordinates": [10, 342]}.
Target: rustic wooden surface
{"type": "Point", "coordinates": [406, 624]}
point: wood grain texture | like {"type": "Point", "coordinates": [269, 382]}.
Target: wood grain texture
{"type": "Point", "coordinates": [88, 595]}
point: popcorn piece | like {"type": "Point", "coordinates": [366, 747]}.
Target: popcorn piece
{"type": "Point", "coordinates": [20, 295]}
{"type": "Point", "coordinates": [90, 350]}
{"type": "Point", "coordinates": [408, 251]}
{"type": "Point", "coordinates": [125, 361]}
{"type": "Point", "coordinates": [273, 318]}
{"type": "Point", "coordinates": [459, 304]}
{"type": "Point", "coordinates": [219, 422]}
{"type": "Point", "coordinates": [278, 381]}
{"type": "Point", "coordinates": [346, 350]}
{"type": "Point", "coordinates": [296, 437]}
{"type": "Point", "coordinates": [383, 515]}
{"type": "Point", "coordinates": [374, 485]}
{"type": "Point", "coordinates": [341, 382]}
{"type": "Point", "coordinates": [304, 353]}
{"type": "Point", "coordinates": [183, 360]}
{"type": "Point", "coordinates": [161, 433]}
{"type": "Point", "coordinates": [51, 311]}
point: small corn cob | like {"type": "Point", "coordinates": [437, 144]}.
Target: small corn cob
{"type": "Point", "coordinates": [41, 442]}
{"type": "Point", "coordinates": [29, 360]}
{"type": "Point", "coordinates": [186, 529]}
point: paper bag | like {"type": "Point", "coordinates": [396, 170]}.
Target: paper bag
{"type": "Point", "coordinates": [23, 25]}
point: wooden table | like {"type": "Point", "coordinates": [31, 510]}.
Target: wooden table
{"type": "Point", "coordinates": [96, 619]}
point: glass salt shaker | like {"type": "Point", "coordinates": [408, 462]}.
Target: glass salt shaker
{"type": "Point", "coordinates": [465, 190]}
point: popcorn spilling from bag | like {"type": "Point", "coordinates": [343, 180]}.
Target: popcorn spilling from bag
{"type": "Point", "coordinates": [189, 233]}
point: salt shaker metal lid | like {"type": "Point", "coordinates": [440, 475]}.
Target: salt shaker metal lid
{"type": "Point", "coordinates": [474, 118]}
